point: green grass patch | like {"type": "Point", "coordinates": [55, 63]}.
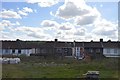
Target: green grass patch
{"type": "Point", "coordinates": [36, 67]}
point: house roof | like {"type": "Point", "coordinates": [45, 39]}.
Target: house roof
{"type": "Point", "coordinates": [25, 44]}
{"type": "Point", "coordinates": [93, 44]}
{"type": "Point", "coordinates": [88, 44]}
{"type": "Point", "coordinates": [38, 44]}
{"type": "Point", "coordinates": [63, 44]}
{"type": "Point", "coordinates": [79, 44]}
{"type": "Point", "coordinates": [111, 44]}
{"type": "Point", "coordinates": [14, 45]}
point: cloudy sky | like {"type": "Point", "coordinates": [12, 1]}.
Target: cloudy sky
{"type": "Point", "coordinates": [66, 20]}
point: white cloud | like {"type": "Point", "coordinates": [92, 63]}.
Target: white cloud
{"type": "Point", "coordinates": [89, 36]}
{"type": "Point", "coordinates": [85, 20]}
{"type": "Point", "coordinates": [79, 11]}
{"type": "Point", "coordinates": [80, 32]}
{"type": "Point", "coordinates": [65, 31]}
{"type": "Point", "coordinates": [105, 29]}
{"type": "Point", "coordinates": [9, 14]}
{"type": "Point", "coordinates": [70, 10]}
{"type": "Point", "coordinates": [57, 26]}
{"type": "Point", "coordinates": [15, 14]}
{"type": "Point", "coordinates": [88, 18]}
{"type": "Point", "coordinates": [5, 35]}
{"type": "Point", "coordinates": [25, 11]}
{"type": "Point", "coordinates": [1, 27]}
{"type": "Point", "coordinates": [17, 23]}
{"type": "Point", "coordinates": [83, 15]}
{"type": "Point", "coordinates": [6, 23]}
{"type": "Point", "coordinates": [37, 33]}
{"type": "Point", "coordinates": [28, 29]}
{"type": "Point", "coordinates": [78, 14]}
{"type": "Point", "coordinates": [51, 13]}
{"type": "Point", "coordinates": [49, 23]}
{"type": "Point", "coordinates": [22, 13]}
{"type": "Point", "coordinates": [61, 31]}
{"type": "Point", "coordinates": [66, 26]}
{"type": "Point", "coordinates": [44, 3]}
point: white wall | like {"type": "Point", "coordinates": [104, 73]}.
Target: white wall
{"type": "Point", "coordinates": [0, 51]}
{"type": "Point", "coordinates": [77, 50]}
{"type": "Point", "coordinates": [9, 51]}
{"type": "Point", "coordinates": [6, 51]}
{"type": "Point", "coordinates": [32, 50]}
{"type": "Point", "coordinates": [111, 53]}
{"type": "Point", "coordinates": [73, 52]}
{"type": "Point", "coordinates": [26, 51]}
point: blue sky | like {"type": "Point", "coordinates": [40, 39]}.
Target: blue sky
{"type": "Point", "coordinates": [67, 21]}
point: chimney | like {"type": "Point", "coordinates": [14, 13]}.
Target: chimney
{"type": "Point", "coordinates": [74, 43]}
{"type": "Point", "coordinates": [91, 40]}
{"type": "Point", "coordinates": [56, 40]}
{"type": "Point", "coordinates": [109, 41]}
{"type": "Point", "coordinates": [101, 40]}
{"type": "Point", "coordinates": [18, 40]}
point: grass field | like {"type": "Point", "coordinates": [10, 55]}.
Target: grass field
{"type": "Point", "coordinates": [36, 67]}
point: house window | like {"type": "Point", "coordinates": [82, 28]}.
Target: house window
{"type": "Point", "coordinates": [13, 51]}
{"type": "Point", "coordinates": [43, 50]}
{"type": "Point", "coordinates": [87, 49]}
{"type": "Point", "coordinates": [59, 50]}
{"type": "Point", "coordinates": [115, 50]}
{"type": "Point", "coordinates": [108, 50]}
{"type": "Point", "coordinates": [66, 50]}
{"type": "Point", "coordinates": [77, 48]}
{"type": "Point", "coordinates": [19, 51]}
{"type": "Point", "coordinates": [6, 50]}
{"type": "Point", "coordinates": [97, 50]}
{"type": "Point", "coordinates": [91, 50]}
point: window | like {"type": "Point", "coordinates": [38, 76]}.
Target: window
{"type": "Point", "coordinates": [115, 50]}
{"type": "Point", "coordinates": [19, 51]}
{"type": "Point", "coordinates": [65, 50]}
{"type": "Point", "coordinates": [59, 50]}
{"type": "Point", "coordinates": [98, 50]}
{"type": "Point", "coordinates": [13, 51]}
{"type": "Point", "coordinates": [6, 50]}
{"type": "Point", "coordinates": [108, 50]}
{"type": "Point", "coordinates": [91, 50]}
{"type": "Point", "coordinates": [43, 51]}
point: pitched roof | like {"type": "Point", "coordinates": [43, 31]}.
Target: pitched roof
{"type": "Point", "coordinates": [93, 44]}
{"type": "Point", "coordinates": [24, 44]}
{"type": "Point", "coordinates": [38, 44]}
{"type": "Point", "coordinates": [63, 44]}
{"type": "Point", "coordinates": [111, 44]}
{"type": "Point", "coordinates": [14, 45]}
{"type": "Point", "coordinates": [79, 44]}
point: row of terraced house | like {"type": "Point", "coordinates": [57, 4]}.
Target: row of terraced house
{"type": "Point", "coordinates": [59, 48]}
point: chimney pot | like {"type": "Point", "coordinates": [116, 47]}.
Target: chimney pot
{"type": "Point", "coordinates": [91, 40]}
{"type": "Point", "coordinates": [56, 40]}
{"type": "Point", "coordinates": [101, 40]}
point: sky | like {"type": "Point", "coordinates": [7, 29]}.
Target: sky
{"type": "Point", "coordinates": [65, 20]}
